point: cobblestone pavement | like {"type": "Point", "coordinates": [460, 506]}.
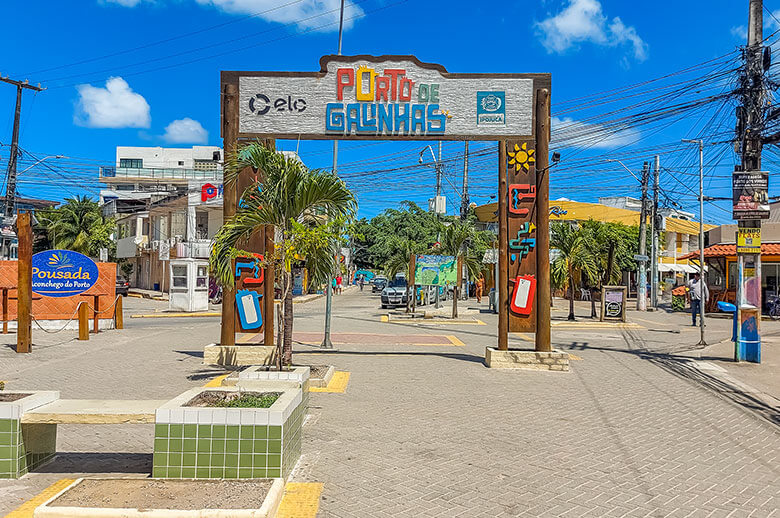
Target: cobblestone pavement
{"type": "Point", "coordinates": [421, 431]}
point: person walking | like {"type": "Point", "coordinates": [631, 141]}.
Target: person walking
{"type": "Point", "coordinates": [479, 287]}
{"type": "Point", "coordinates": [361, 280]}
{"type": "Point", "coordinates": [698, 293]}
{"type": "Point", "coordinates": [339, 280]}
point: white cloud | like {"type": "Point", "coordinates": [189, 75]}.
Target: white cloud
{"type": "Point", "coordinates": [309, 14]}
{"type": "Point", "coordinates": [186, 131]}
{"type": "Point", "coordinates": [584, 21]}
{"type": "Point", "coordinates": [739, 32]}
{"type": "Point", "coordinates": [568, 132]}
{"type": "Point", "coordinates": [321, 15]}
{"type": "Point", "coordinates": [115, 106]}
{"type": "Point", "coordinates": [123, 3]}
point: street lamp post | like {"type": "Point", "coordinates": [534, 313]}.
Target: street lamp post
{"type": "Point", "coordinates": [700, 142]}
{"type": "Point", "coordinates": [437, 167]}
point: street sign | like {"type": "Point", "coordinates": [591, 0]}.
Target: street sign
{"type": "Point", "coordinates": [641, 258]}
{"type": "Point", "coordinates": [62, 273]}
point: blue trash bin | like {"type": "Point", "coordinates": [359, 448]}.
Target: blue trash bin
{"type": "Point", "coordinates": [727, 307]}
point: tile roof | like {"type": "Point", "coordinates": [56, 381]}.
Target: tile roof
{"type": "Point", "coordinates": [730, 249]}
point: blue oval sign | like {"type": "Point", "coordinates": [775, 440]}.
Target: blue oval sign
{"type": "Point", "coordinates": [62, 273]}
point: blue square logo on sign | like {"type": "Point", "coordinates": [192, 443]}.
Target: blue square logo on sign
{"type": "Point", "coordinates": [491, 108]}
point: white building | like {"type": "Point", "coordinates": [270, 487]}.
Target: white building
{"type": "Point", "coordinates": [147, 192]}
{"type": "Point", "coordinates": [168, 204]}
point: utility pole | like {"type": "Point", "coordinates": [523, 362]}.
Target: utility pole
{"type": "Point", "coordinates": [641, 288]}
{"type": "Point", "coordinates": [750, 125]}
{"type": "Point", "coordinates": [656, 235]}
{"type": "Point", "coordinates": [10, 181]}
{"type": "Point", "coordinates": [326, 343]}
{"type": "Point", "coordinates": [464, 202]}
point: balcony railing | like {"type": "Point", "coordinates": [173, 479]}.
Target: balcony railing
{"type": "Point", "coordinates": [159, 173]}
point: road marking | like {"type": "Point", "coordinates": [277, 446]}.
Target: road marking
{"type": "Point", "coordinates": [26, 509]}
{"type": "Point", "coordinates": [177, 315]}
{"type": "Point", "coordinates": [598, 325]}
{"type": "Point", "coordinates": [430, 321]}
{"type": "Point", "coordinates": [574, 357]}
{"type": "Point", "coordinates": [300, 500]}
{"type": "Point", "coordinates": [337, 384]}
{"type": "Point", "coordinates": [385, 318]}
{"type": "Point", "coordinates": [216, 382]}
{"type": "Point", "coordinates": [455, 340]}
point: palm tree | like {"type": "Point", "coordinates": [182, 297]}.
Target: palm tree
{"type": "Point", "coordinates": [455, 240]}
{"type": "Point", "coordinates": [573, 258]}
{"type": "Point", "coordinates": [71, 225]}
{"type": "Point", "coordinates": [398, 262]}
{"type": "Point", "coordinates": [294, 199]}
{"type": "Point", "coordinates": [605, 243]}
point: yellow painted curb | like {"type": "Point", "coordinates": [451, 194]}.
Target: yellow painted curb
{"type": "Point", "coordinates": [455, 340]}
{"type": "Point", "coordinates": [135, 295]}
{"type": "Point", "coordinates": [216, 382]}
{"type": "Point", "coordinates": [574, 357]}
{"type": "Point", "coordinates": [338, 383]}
{"type": "Point", "coordinates": [300, 500]}
{"type": "Point", "coordinates": [385, 318]}
{"type": "Point", "coordinates": [177, 315]}
{"type": "Point", "coordinates": [26, 509]}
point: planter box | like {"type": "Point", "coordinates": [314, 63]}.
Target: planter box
{"type": "Point", "coordinates": [24, 447]}
{"type": "Point", "coordinates": [47, 510]}
{"type": "Point", "coordinates": [208, 442]}
{"type": "Point", "coordinates": [260, 378]}
{"type": "Point", "coordinates": [236, 355]}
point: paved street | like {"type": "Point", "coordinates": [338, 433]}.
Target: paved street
{"type": "Point", "coordinates": [645, 424]}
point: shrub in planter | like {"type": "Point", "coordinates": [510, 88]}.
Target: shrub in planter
{"type": "Point", "coordinates": [220, 433]}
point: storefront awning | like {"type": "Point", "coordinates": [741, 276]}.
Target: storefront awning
{"type": "Point", "coordinates": [681, 268]}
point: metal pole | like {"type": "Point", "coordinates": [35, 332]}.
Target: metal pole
{"type": "Point", "coordinates": [701, 236]}
{"type": "Point", "coordinates": [464, 204]}
{"type": "Point", "coordinates": [326, 343]}
{"type": "Point", "coordinates": [702, 280]}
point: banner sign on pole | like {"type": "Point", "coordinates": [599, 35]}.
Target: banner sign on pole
{"type": "Point", "coordinates": [62, 273]}
{"type": "Point", "coordinates": [750, 195]}
{"type": "Point", "coordinates": [435, 270]}
{"type": "Point", "coordinates": [748, 240]}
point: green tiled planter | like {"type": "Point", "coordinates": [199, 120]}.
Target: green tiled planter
{"type": "Point", "coordinates": [260, 378]}
{"type": "Point", "coordinates": [25, 447]}
{"type": "Point", "coordinates": [198, 442]}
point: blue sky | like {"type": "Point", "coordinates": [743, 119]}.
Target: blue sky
{"type": "Point", "coordinates": [167, 93]}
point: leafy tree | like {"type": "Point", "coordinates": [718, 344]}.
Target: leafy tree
{"type": "Point", "coordinates": [608, 243]}
{"type": "Point", "coordinates": [574, 258]}
{"type": "Point", "coordinates": [301, 204]}
{"type": "Point", "coordinates": [78, 225]}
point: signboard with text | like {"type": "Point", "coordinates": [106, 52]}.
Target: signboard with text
{"type": "Point", "coordinates": [388, 97]}
{"type": "Point", "coordinates": [748, 240]}
{"type": "Point", "coordinates": [62, 273]}
{"type": "Point", "coordinates": [750, 193]}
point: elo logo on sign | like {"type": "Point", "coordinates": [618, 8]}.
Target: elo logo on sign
{"type": "Point", "coordinates": [491, 108]}
{"type": "Point", "coordinates": [62, 273]}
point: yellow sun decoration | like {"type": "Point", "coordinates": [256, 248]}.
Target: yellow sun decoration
{"type": "Point", "coordinates": [521, 157]}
